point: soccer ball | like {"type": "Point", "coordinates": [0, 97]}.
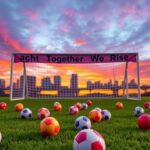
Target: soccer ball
{"type": "Point", "coordinates": [89, 102]}
{"type": "Point", "coordinates": [26, 113]}
{"type": "Point", "coordinates": [43, 113]}
{"type": "Point", "coordinates": [49, 127]}
{"type": "Point", "coordinates": [82, 122]}
{"type": "Point", "coordinates": [0, 137]}
{"type": "Point", "coordinates": [89, 139]}
{"type": "Point", "coordinates": [138, 111]}
{"type": "Point", "coordinates": [98, 109]}
{"type": "Point", "coordinates": [79, 105]}
{"type": "Point", "coordinates": [95, 116]}
{"type": "Point", "coordinates": [106, 114]}
{"type": "Point", "coordinates": [57, 106]}
{"type": "Point", "coordinates": [146, 104]}
{"type": "Point", "coordinates": [73, 110]}
{"type": "Point", "coordinates": [144, 121]}
{"type": "Point", "coordinates": [119, 105]}
{"type": "Point", "coordinates": [84, 106]}
{"type": "Point", "coordinates": [19, 107]}
{"type": "Point", "coordinates": [3, 105]}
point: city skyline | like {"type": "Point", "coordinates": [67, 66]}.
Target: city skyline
{"type": "Point", "coordinates": [75, 27]}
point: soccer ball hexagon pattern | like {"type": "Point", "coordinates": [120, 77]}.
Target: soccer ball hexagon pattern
{"type": "Point", "coordinates": [82, 122]}
{"type": "Point", "coordinates": [98, 109]}
{"type": "Point", "coordinates": [119, 105]}
{"type": "Point", "coordinates": [106, 114]}
{"type": "Point", "coordinates": [89, 139]}
{"type": "Point", "coordinates": [89, 102]}
{"type": "Point", "coordinates": [43, 113]}
{"type": "Point", "coordinates": [95, 116]}
{"type": "Point", "coordinates": [73, 110]}
{"type": "Point", "coordinates": [49, 127]}
{"type": "Point", "coordinates": [26, 113]}
{"type": "Point", "coordinates": [19, 107]}
{"type": "Point", "coordinates": [79, 105]}
{"type": "Point", "coordinates": [57, 106]}
{"type": "Point", "coordinates": [84, 106]}
{"type": "Point", "coordinates": [3, 105]}
{"type": "Point", "coordinates": [138, 111]}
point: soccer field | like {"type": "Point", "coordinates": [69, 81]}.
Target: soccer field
{"type": "Point", "coordinates": [120, 133]}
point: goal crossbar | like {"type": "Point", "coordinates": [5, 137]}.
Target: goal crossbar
{"type": "Point", "coordinates": [41, 58]}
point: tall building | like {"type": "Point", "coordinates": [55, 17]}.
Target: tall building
{"type": "Point", "coordinates": [2, 84]}
{"type": "Point", "coordinates": [74, 81]}
{"type": "Point", "coordinates": [57, 81]}
{"type": "Point", "coordinates": [74, 85]}
{"type": "Point", "coordinates": [46, 83]}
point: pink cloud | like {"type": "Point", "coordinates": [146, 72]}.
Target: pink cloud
{"type": "Point", "coordinates": [8, 40]}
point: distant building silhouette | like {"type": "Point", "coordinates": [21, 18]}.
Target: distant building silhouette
{"type": "Point", "coordinates": [2, 84]}
{"type": "Point", "coordinates": [57, 82]}
{"type": "Point", "coordinates": [46, 83]}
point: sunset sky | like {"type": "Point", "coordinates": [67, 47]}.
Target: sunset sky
{"type": "Point", "coordinates": [75, 26]}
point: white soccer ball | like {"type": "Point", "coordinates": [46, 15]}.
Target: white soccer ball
{"type": "Point", "coordinates": [26, 113]}
{"type": "Point", "coordinates": [98, 109]}
{"type": "Point", "coordinates": [138, 111]}
{"type": "Point", "coordinates": [82, 122]}
{"type": "Point", "coordinates": [106, 114]}
{"type": "Point", "coordinates": [0, 137]}
{"type": "Point", "coordinates": [89, 139]}
{"type": "Point", "coordinates": [84, 106]}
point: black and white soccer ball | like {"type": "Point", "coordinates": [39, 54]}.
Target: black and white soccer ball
{"type": "Point", "coordinates": [138, 111]}
{"type": "Point", "coordinates": [106, 114]}
{"type": "Point", "coordinates": [26, 113]}
{"type": "Point", "coordinates": [84, 106]}
{"type": "Point", "coordinates": [82, 122]}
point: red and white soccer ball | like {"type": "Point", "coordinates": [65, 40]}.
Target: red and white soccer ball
{"type": "Point", "coordinates": [43, 113]}
{"type": "Point", "coordinates": [89, 139]}
{"type": "Point", "coordinates": [73, 110]}
{"type": "Point", "coordinates": [3, 105]}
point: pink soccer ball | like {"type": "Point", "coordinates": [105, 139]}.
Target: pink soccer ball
{"type": "Point", "coordinates": [73, 110]}
{"type": "Point", "coordinates": [89, 139]}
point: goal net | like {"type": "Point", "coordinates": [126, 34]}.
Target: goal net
{"type": "Point", "coordinates": [45, 76]}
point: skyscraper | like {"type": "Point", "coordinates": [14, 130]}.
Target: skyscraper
{"type": "Point", "coordinates": [2, 84]}
{"type": "Point", "coordinates": [57, 81]}
{"type": "Point", "coordinates": [46, 83]}
{"type": "Point", "coordinates": [74, 81]}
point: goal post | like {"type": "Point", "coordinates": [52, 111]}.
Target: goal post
{"type": "Point", "coordinates": [45, 76]}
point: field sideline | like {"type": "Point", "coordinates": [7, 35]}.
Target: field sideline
{"type": "Point", "coordinates": [120, 133]}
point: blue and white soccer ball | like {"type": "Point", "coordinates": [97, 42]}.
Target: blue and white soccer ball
{"type": "Point", "coordinates": [0, 137]}
{"type": "Point", "coordinates": [84, 106]}
{"type": "Point", "coordinates": [138, 111]}
{"type": "Point", "coordinates": [82, 122]}
{"type": "Point", "coordinates": [106, 114]}
{"type": "Point", "coordinates": [26, 113]}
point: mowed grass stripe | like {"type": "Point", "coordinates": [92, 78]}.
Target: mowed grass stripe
{"type": "Point", "coordinates": [120, 133]}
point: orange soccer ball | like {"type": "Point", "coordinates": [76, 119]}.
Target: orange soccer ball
{"type": "Point", "coordinates": [49, 127]}
{"type": "Point", "coordinates": [57, 106]}
{"type": "Point", "coordinates": [95, 116]}
{"type": "Point", "coordinates": [79, 105]}
{"type": "Point", "coordinates": [119, 105]}
{"type": "Point", "coordinates": [19, 107]}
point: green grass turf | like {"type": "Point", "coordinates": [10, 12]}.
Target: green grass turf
{"type": "Point", "coordinates": [120, 133]}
